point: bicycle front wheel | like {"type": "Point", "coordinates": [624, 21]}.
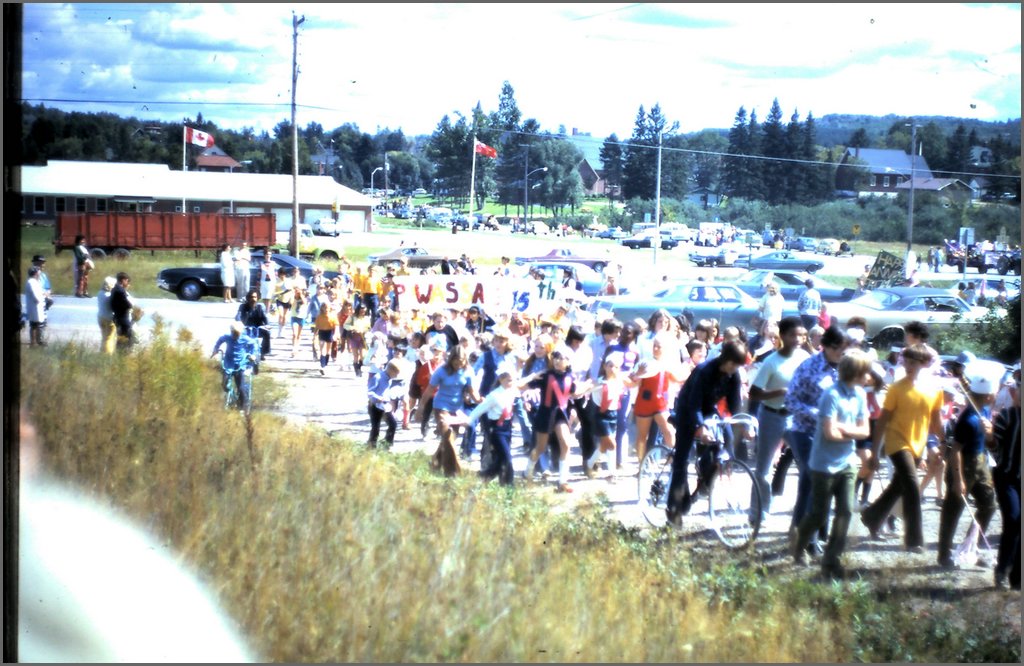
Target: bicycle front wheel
{"type": "Point", "coordinates": [652, 483]}
{"type": "Point", "coordinates": [735, 504]}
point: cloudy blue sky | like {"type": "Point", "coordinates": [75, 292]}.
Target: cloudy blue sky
{"type": "Point", "coordinates": [588, 66]}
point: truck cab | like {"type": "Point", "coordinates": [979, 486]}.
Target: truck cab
{"type": "Point", "coordinates": [311, 247]}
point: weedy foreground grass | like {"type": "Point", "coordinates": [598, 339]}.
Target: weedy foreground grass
{"type": "Point", "coordinates": [323, 551]}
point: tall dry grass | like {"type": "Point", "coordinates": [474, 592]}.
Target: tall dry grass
{"type": "Point", "coordinates": [324, 551]}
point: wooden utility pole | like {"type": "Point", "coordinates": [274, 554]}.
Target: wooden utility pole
{"type": "Point", "coordinates": [293, 237]}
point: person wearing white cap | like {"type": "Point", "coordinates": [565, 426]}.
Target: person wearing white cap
{"type": "Point", "coordinates": [968, 470]}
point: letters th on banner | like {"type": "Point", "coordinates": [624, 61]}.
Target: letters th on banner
{"type": "Point", "coordinates": [495, 294]}
{"type": "Point", "coordinates": [888, 270]}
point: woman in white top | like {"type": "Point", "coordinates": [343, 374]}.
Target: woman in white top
{"type": "Point", "coordinates": [227, 272]}
{"type": "Point", "coordinates": [771, 304]}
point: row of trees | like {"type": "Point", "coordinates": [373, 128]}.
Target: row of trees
{"type": "Point", "coordinates": [772, 162]}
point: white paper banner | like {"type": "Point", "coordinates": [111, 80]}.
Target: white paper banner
{"type": "Point", "coordinates": [495, 294]}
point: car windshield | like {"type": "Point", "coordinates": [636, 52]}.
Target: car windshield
{"type": "Point", "coordinates": [876, 300]}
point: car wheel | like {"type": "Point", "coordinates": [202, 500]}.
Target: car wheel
{"type": "Point", "coordinates": [190, 290]}
{"type": "Point", "coordinates": [122, 253]}
{"type": "Point", "coordinates": [887, 338]}
{"type": "Point", "coordinates": [811, 269]}
{"type": "Point", "coordinates": [328, 255]}
{"type": "Point", "coordinates": [600, 266]}
{"type": "Point", "coordinates": [1003, 266]}
{"type": "Point", "coordinates": [983, 269]}
{"type": "Point", "coordinates": [98, 253]}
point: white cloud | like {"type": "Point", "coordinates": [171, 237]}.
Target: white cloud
{"type": "Point", "coordinates": [580, 65]}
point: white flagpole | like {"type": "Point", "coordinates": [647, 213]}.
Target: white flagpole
{"type": "Point", "coordinates": [472, 184]}
{"type": "Point", "coordinates": [184, 130]}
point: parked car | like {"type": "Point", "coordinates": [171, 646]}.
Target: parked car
{"type": "Point", "coordinates": [646, 239]}
{"type": "Point", "coordinates": [723, 301]}
{"type": "Point", "coordinates": [418, 257]}
{"type": "Point", "coordinates": [191, 283]}
{"type": "Point", "coordinates": [801, 244]}
{"type": "Point", "coordinates": [723, 255]}
{"type": "Point", "coordinates": [419, 192]}
{"type": "Point", "coordinates": [828, 246]}
{"type": "Point", "coordinates": [791, 285]}
{"type": "Point", "coordinates": [325, 226]}
{"type": "Point", "coordinates": [616, 233]}
{"type": "Point", "coordinates": [888, 309]}
{"type": "Point", "coordinates": [589, 280]}
{"type": "Point", "coordinates": [783, 260]}
{"type": "Point", "coordinates": [568, 256]}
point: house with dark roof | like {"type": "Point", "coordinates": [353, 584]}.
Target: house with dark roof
{"type": "Point", "coordinates": [948, 190]}
{"type": "Point", "coordinates": [215, 159]}
{"type": "Point", "coordinates": [594, 181]}
{"type": "Point", "coordinates": [868, 172]}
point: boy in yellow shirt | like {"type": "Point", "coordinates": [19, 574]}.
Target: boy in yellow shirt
{"type": "Point", "coordinates": [911, 411]}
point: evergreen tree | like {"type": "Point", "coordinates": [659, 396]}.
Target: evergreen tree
{"type": "Point", "coordinates": [612, 161]}
{"type": "Point", "coordinates": [820, 176]}
{"type": "Point", "coordinates": [707, 147]}
{"type": "Point", "coordinates": [637, 167]}
{"type": "Point", "coordinates": [752, 166]}
{"type": "Point", "coordinates": [775, 147]}
{"type": "Point", "coordinates": [958, 153]}
{"type": "Point", "coordinates": [734, 178]}
{"type": "Point", "coordinates": [859, 139]}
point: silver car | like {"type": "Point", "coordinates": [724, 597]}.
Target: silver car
{"type": "Point", "coordinates": [887, 310]}
{"type": "Point", "coordinates": [695, 299]}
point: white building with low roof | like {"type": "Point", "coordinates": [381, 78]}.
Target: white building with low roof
{"type": "Point", "coordinates": [90, 187]}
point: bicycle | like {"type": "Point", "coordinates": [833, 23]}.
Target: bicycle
{"type": "Point", "coordinates": [727, 492]}
{"type": "Point", "coordinates": [237, 385]}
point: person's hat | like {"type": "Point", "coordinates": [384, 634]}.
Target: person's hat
{"type": "Point", "coordinates": [617, 358]}
{"type": "Point", "coordinates": [439, 342]}
{"type": "Point", "coordinates": [38, 259]}
{"type": "Point", "coordinates": [965, 358]}
{"type": "Point", "coordinates": [501, 332]}
{"type": "Point", "coordinates": [855, 334]}
{"type": "Point", "coordinates": [985, 377]}
{"type": "Point", "coordinates": [237, 327]}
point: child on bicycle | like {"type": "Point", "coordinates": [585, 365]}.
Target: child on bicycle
{"type": "Point", "coordinates": [842, 420]}
{"type": "Point", "coordinates": [239, 353]}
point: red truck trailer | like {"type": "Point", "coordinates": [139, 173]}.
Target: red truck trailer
{"type": "Point", "coordinates": [120, 233]}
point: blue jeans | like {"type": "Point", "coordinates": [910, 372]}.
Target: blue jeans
{"type": "Point", "coordinates": [501, 453]}
{"type": "Point", "coordinates": [622, 425]}
{"type": "Point", "coordinates": [772, 426]}
{"type": "Point", "coordinates": [520, 414]}
{"type": "Point", "coordinates": [800, 443]}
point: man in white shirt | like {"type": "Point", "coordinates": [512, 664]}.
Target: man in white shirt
{"type": "Point", "coordinates": [243, 263]}
{"type": "Point", "coordinates": [769, 390]}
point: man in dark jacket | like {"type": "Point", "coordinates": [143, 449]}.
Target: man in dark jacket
{"type": "Point", "coordinates": [253, 315]}
{"type": "Point", "coordinates": [121, 305]}
{"type": "Point", "coordinates": [709, 383]}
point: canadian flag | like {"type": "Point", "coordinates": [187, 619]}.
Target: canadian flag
{"type": "Point", "coordinates": [483, 149]}
{"type": "Point", "coordinates": [198, 138]}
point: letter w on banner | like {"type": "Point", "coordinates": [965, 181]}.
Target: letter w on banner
{"type": "Point", "coordinates": [483, 149]}
{"type": "Point", "coordinates": [198, 138]}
